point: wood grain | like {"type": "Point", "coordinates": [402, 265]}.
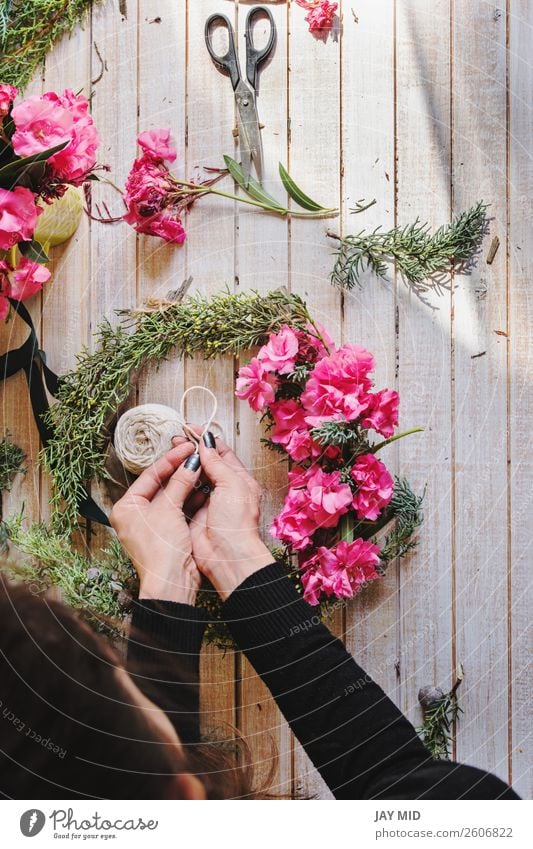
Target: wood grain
{"type": "Point", "coordinates": [480, 392]}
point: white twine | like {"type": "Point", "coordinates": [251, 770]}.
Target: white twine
{"type": "Point", "coordinates": [144, 433]}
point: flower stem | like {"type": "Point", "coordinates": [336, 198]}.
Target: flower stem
{"type": "Point", "coordinates": [346, 528]}
{"type": "Point", "coordinates": [388, 441]}
{"type": "Point", "coordinates": [195, 189]}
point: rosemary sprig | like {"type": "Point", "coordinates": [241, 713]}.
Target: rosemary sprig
{"type": "Point", "coordinates": [11, 461]}
{"type": "Point", "coordinates": [28, 30]}
{"type": "Point", "coordinates": [406, 508]}
{"type": "Point", "coordinates": [101, 585]}
{"type": "Point", "coordinates": [91, 394]}
{"type": "Point", "coordinates": [421, 257]}
{"type": "Point", "coordinates": [440, 713]}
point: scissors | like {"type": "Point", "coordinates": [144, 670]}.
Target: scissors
{"type": "Point", "coordinates": [245, 96]}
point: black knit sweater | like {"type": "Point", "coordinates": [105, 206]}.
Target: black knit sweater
{"type": "Point", "coordinates": [356, 737]}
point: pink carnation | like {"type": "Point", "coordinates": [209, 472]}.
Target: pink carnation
{"type": "Point", "coordinates": [290, 428]}
{"type": "Point", "coordinates": [7, 96]}
{"type": "Point", "coordinates": [375, 486]}
{"type": "Point", "coordinates": [256, 385]}
{"type": "Point", "coordinates": [338, 385]}
{"type": "Point", "coordinates": [382, 412]}
{"type": "Point", "coordinates": [45, 121]}
{"type": "Point", "coordinates": [320, 13]}
{"type": "Point", "coordinates": [293, 524]}
{"type": "Point", "coordinates": [145, 195]}
{"type": "Point", "coordinates": [27, 279]}
{"type": "Point", "coordinates": [279, 353]}
{"type": "Point", "coordinates": [316, 499]}
{"type": "Point", "coordinates": [157, 145]}
{"type": "Point", "coordinates": [18, 216]}
{"type": "Point", "coordinates": [341, 571]}
{"type": "Point", "coordinates": [20, 283]}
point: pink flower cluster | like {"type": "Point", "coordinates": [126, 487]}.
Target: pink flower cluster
{"type": "Point", "coordinates": [320, 14]}
{"type": "Point", "coordinates": [149, 187]}
{"type": "Point", "coordinates": [21, 282]}
{"type": "Point", "coordinates": [301, 382]}
{"type": "Point", "coordinates": [42, 122]}
{"type": "Point", "coordinates": [36, 125]}
{"type": "Point", "coordinates": [341, 571]}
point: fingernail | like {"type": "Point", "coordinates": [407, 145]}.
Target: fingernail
{"type": "Point", "coordinates": [192, 463]}
{"type": "Point", "coordinates": [209, 439]}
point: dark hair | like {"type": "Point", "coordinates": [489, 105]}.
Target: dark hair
{"type": "Point", "coordinates": [67, 725]}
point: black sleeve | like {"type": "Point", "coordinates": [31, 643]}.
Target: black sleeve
{"type": "Point", "coordinates": [164, 658]}
{"type": "Point", "coordinates": [356, 737]}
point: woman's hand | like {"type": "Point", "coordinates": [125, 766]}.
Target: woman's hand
{"type": "Point", "coordinates": [150, 524]}
{"type": "Point", "coordinates": [226, 544]}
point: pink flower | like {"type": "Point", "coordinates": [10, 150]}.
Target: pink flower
{"type": "Point", "coordinates": [338, 385]}
{"type": "Point", "coordinates": [316, 499]}
{"type": "Point", "coordinates": [146, 192]}
{"type": "Point", "coordinates": [321, 13]}
{"type": "Point", "coordinates": [375, 486]}
{"type": "Point", "coordinates": [280, 351]}
{"type": "Point", "coordinates": [157, 145]}
{"type": "Point", "coordinates": [45, 121]}
{"type": "Point", "coordinates": [27, 279]}
{"type": "Point", "coordinates": [341, 571]}
{"type": "Point", "coordinates": [382, 412]}
{"type": "Point", "coordinates": [256, 385]}
{"type": "Point", "coordinates": [329, 499]}
{"type": "Point", "coordinates": [18, 216]}
{"type": "Point", "coordinates": [7, 96]}
{"type": "Point", "coordinates": [293, 524]}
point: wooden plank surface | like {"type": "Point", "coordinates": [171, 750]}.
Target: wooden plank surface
{"type": "Point", "coordinates": [426, 107]}
{"type": "Point", "coordinates": [479, 148]}
{"type": "Point", "coordinates": [520, 193]}
{"type": "Point", "coordinates": [423, 100]}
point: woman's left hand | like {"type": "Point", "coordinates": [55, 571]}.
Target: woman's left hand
{"type": "Point", "coordinates": [150, 524]}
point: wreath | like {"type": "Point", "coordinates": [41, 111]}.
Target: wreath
{"type": "Point", "coordinates": [340, 497]}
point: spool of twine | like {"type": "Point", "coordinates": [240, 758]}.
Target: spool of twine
{"type": "Point", "coordinates": [144, 433]}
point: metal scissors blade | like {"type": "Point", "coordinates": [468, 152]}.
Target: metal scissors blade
{"type": "Point", "coordinates": [249, 132]}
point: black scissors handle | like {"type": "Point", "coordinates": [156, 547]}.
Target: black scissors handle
{"type": "Point", "coordinates": [254, 57]}
{"type": "Point", "coordinates": [227, 62]}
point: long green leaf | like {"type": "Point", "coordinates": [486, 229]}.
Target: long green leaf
{"type": "Point", "coordinates": [296, 193]}
{"type": "Point", "coordinates": [10, 171]}
{"type": "Point", "coordinates": [33, 250]}
{"type": "Point", "coordinates": [253, 188]}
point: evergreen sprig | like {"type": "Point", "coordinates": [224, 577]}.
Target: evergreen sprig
{"type": "Point", "coordinates": [406, 508]}
{"type": "Point", "coordinates": [100, 585]}
{"type": "Point", "coordinates": [11, 461]}
{"type": "Point", "coordinates": [440, 713]}
{"type": "Point", "coordinates": [91, 394]}
{"type": "Point", "coordinates": [421, 257]}
{"type": "Point", "coordinates": [29, 29]}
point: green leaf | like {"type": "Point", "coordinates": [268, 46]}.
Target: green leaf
{"type": "Point", "coordinates": [11, 173]}
{"type": "Point", "coordinates": [296, 193]}
{"type": "Point", "coordinates": [253, 188]}
{"type": "Point", "coordinates": [235, 170]}
{"type": "Point", "coordinates": [33, 250]}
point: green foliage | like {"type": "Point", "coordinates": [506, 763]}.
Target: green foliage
{"type": "Point", "coordinates": [441, 711]}
{"type": "Point", "coordinates": [406, 509]}
{"type": "Point", "coordinates": [29, 29]}
{"type": "Point", "coordinates": [91, 394]}
{"type": "Point", "coordinates": [11, 461]}
{"type": "Point", "coordinates": [100, 585]}
{"type": "Point", "coordinates": [421, 257]}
